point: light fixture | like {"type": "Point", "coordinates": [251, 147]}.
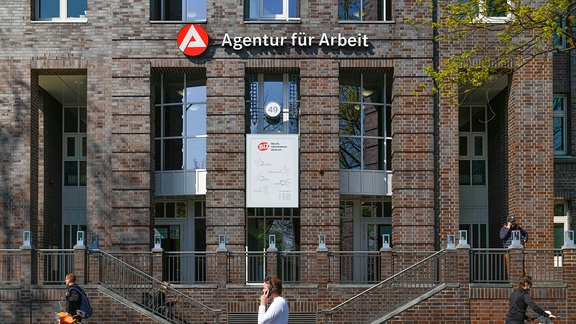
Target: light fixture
{"type": "Point", "coordinates": [157, 241]}
{"type": "Point", "coordinates": [272, 242]}
{"type": "Point", "coordinates": [80, 238]}
{"type": "Point", "coordinates": [516, 239]}
{"type": "Point", "coordinates": [367, 92]}
{"type": "Point", "coordinates": [463, 240]}
{"type": "Point", "coordinates": [94, 241]}
{"type": "Point", "coordinates": [385, 241]}
{"type": "Point", "coordinates": [322, 243]}
{"type": "Point", "coordinates": [568, 239]}
{"type": "Point", "coordinates": [451, 242]}
{"type": "Point", "coordinates": [27, 239]}
{"type": "Point", "coordinates": [222, 242]}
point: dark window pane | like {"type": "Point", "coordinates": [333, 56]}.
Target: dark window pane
{"type": "Point", "coordinates": [478, 146]}
{"type": "Point", "coordinates": [71, 120]}
{"type": "Point", "coordinates": [160, 210]}
{"type": "Point", "coordinates": [463, 146]}
{"type": "Point", "coordinates": [173, 121]}
{"type": "Point", "coordinates": [70, 173]}
{"type": "Point", "coordinates": [464, 172]}
{"type": "Point", "coordinates": [464, 119]}
{"type": "Point", "coordinates": [478, 172]}
{"type": "Point", "coordinates": [83, 173]}
{"type": "Point", "coordinates": [478, 119]}
{"type": "Point", "coordinates": [70, 146]}
{"type": "Point", "coordinates": [83, 120]}
{"type": "Point", "coordinates": [173, 154]}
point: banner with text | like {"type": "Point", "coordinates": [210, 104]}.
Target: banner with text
{"type": "Point", "coordinates": [272, 170]}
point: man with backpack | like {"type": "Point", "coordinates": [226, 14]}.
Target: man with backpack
{"type": "Point", "coordinates": [73, 297]}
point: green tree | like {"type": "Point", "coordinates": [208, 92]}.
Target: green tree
{"type": "Point", "coordinates": [522, 31]}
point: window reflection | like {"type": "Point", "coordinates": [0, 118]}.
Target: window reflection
{"type": "Point", "coordinates": [180, 122]}
{"type": "Point", "coordinates": [364, 121]}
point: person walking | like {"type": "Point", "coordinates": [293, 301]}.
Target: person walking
{"type": "Point", "coordinates": [520, 300]}
{"type": "Point", "coordinates": [73, 298]}
{"type": "Point", "coordinates": [277, 312]}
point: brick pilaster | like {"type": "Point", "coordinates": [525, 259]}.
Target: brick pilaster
{"type": "Point", "coordinates": [272, 262]}
{"type": "Point", "coordinates": [157, 264]}
{"type": "Point", "coordinates": [80, 257]}
{"type": "Point", "coordinates": [569, 273]}
{"type": "Point", "coordinates": [515, 264]}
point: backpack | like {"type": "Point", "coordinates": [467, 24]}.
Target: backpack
{"type": "Point", "coordinates": [85, 310]}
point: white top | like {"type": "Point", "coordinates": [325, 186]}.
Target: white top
{"type": "Point", "coordinates": [277, 313]}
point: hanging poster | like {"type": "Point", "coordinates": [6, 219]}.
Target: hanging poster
{"type": "Point", "coordinates": [272, 170]}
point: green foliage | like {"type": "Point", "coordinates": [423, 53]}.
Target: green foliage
{"type": "Point", "coordinates": [519, 31]}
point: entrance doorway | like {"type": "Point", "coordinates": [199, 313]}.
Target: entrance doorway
{"type": "Point", "coordinates": [369, 220]}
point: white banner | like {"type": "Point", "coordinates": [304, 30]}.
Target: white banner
{"type": "Point", "coordinates": [272, 170]}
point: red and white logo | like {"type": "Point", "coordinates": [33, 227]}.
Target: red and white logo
{"type": "Point", "coordinates": [263, 146]}
{"type": "Point", "coordinates": [192, 40]}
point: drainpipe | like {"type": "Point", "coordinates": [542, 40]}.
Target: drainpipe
{"type": "Point", "coordinates": [436, 101]}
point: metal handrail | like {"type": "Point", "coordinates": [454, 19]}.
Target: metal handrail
{"type": "Point", "coordinates": [382, 298]}
{"type": "Point", "coordinates": [155, 296]}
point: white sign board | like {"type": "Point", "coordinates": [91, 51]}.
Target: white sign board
{"type": "Point", "coordinates": [272, 170]}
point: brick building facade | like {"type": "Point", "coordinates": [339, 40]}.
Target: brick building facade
{"type": "Point", "coordinates": [107, 127]}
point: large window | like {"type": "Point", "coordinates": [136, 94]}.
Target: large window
{"type": "Point", "coordinates": [180, 122]}
{"type": "Point", "coordinates": [272, 103]}
{"type": "Point", "coordinates": [365, 132]}
{"type": "Point", "coordinates": [271, 10]}
{"type": "Point", "coordinates": [178, 10]}
{"type": "Point", "coordinates": [75, 147]}
{"type": "Point", "coordinates": [559, 40]}
{"type": "Point", "coordinates": [57, 10]}
{"type": "Point", "coordinates": [364, 10]}
{"type": "Point", "coordinates": [284, 223]}
{"type": "Point", "coordinates": [559, 124]}
{"type": "Point", "coordinates": [472, 145]}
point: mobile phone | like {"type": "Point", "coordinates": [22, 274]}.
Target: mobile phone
{"type": "Point", "coordinates": [268, 293]}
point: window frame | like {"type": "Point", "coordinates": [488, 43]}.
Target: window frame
{"type": "Point", "coordinates": [63, 13]}
{"type": "Point", "coordinates": [383, 124]}
{"type": "Point", "coordinates": [485, 18]}
{"type": "Point", "coordinates": [386, 13]}
{"type": "Point", "coordinates": [77, 152]}
{"type": "Point", "coordinates": [255, 103]}
{"type": "Point", "coordinates": [261, 17]}
{"type": "Point", "coordinates": [184, 10]}
{"type": "Point", "coordinates": [161, 106]}
{"type": "Point", "coordinates": [470, 137]}
{"type": "Point", "coordinates": [559, 41]}
{"type": "Point", "coordinates": [564, 115]}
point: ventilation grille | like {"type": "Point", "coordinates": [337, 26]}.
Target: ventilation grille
{"type": "Point", "coordinates": [293, 318]}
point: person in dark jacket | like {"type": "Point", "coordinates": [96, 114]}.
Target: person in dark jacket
{"type": "Point", "coordinates": [73, 298]}
{"type": "Point", "coordinates": [506, 232]}
{"type": "Point", "coordinates": [520, 300]}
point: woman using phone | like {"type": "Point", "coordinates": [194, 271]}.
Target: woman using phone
{"type": "Point", "coordinates": [277, 312]}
